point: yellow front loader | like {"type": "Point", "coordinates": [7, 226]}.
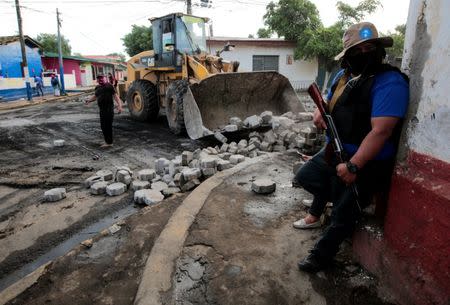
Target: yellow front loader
{"type": "Point", "coordinates": [197, 91]}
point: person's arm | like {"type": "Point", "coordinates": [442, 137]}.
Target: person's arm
{"type": "Point", "coordinates": [90, 100]}
{"type": "Point", "coordinates": [118, 102]}
{"type": "Point", "coordinates": [382, 128]}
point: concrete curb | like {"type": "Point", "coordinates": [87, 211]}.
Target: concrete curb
{"type": "Point", "coordinates": [17, 288]}
{"type": "Point", "coordinates": [157, 275]}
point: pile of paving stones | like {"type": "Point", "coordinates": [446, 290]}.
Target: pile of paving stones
{"type": "Point", "coordinates": [188, 170]}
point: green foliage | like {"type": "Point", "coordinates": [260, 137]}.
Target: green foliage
{"type": "Point", "coordinates": [49, 43]}
{"type": "Point", "coordinates": [120, 55]}
{"type": "Point", "coordinates": [138, 40]}
{"type": "Point", "coordinates": [251, 36]}
{"type": "Point", "coordinates": [399, 40]}
{"type": "Point", "coordinates": [264, 33]}
{"type": "Point", "coordinates": [349, 15]}
{"type": "Point", "coordinates": [291, 18]}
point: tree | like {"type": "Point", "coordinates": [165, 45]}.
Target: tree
{"type": "Point", "coordinates": [264, 33]}
{"type": "Point", "coordinates": [399, 40]}
{"type": "Point", "coordinates": [120, 55]}
{"type": "Point", "coordinates": [49, 43]}
{"type": "Point", "coordinates": [140, 39]}
{"type": "Point", "coordinates": [251, 36]}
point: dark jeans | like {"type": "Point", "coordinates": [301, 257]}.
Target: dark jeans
{"type": "Point", "coordinates": [39, 90]}
{"type": "Point", "coordinates": [106, 121]}
{"type": "Point", "coordinates": [320, 179]}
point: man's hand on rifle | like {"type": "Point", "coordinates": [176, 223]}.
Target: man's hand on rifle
{"type": "Point", "coordinates": [344, 174]}
{"type": "Point", "coordinates": [318, 120]}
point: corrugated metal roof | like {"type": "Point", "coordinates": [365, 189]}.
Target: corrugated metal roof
{"type": "Point", "coordinates": [8, 39]}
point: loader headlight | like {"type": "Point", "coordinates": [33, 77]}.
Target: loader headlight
{"type": "Point", "coordinates": [179, 59]}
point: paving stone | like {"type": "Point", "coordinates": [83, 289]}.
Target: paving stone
{"type": "Point", "coordinates": [223, 165]}
{"type": "Point", "coordinates": [266, 117]}
{"type": "Point", "coordinates": [288, 114]}
{"type": "Point", "coordinates": [265, 146]}
{"type": "Point", "coordinates": [253, 154]}
{"type": "Point", "coordinates": [242, 144]}
{"type": "Point", "coordinates": [55, 194]}
{"type": "Point", "coordinates": [167, 178]}
{"type": "Point", "coordinates": [190, 174]}
{"type": "Point", "coordinates": [196, 153]}
{"type": "Point", "coordinates": [231, 128]}
{"type": "Point", "coordinates": [188, 186]}
{"type": "Point", "coordinates": [126, 180]}
{"type": "Point", "coordinates": [279, 148]}
{"type": "Point", "coordinates": [156, 179]}
{"type": "Point", "coordinates": [139, 185]}
{"type": "Point", "coordinates": [233, 149]}
{"type": "Point", "coordinates": [224, 147]}
{"type": "Point", "coordinates": [208, 172]}
{"type": "Point", "coordinates": [263, 186]}
{"type": "Point", "coordinates": [98, 188]}
{"type": "Point", "coordinates": [177, 178]}
{"type": "Point", "coordinates": [120, 175]}
{"type": "Point", "coordinates": [208, 162]}
{"type": "Point", "coordinates": [304, 116]}
{"type": "Point", "coordinates": [160, 164]}
{"type": "Point", "coordinates": [170, 191]}
{"type": "Point", "coordinates": [225, 156]}
{"type": "Point", "coordinates": [220, 137]}
{"type": "Point", "coordinates": [159, 186]}
{"type": "Point", "coordinates": [148, 197]}
{"type": "Point", "coordinates": [124, 168]}
{"type": "Point", "coordinates": [286, 123]}
{"type": "Point", "coordinates": [282, 136]}
{"type": "Point", "coordinates": [91, 180]}
{"type": "Point", "coordinates": [194, 163]}
{"type": "Point", "coordinates": [212, 151]}
{"type": "Point", "coordinates": [106, 174]}
{"type": "Point", "coordinates": [235, 159]}
{"type": "Point", "coordinates": [255, 134]}
{"type": "Point", "coordinates": [236, 121]}
{"type": "Point", "coordinates": [308, 133]}
{"type": "Point", "coordinates": [186, 157]}
{"type": "Point", "coordinates": [146, 174]}
{"type": "Point", "coordinates": [177, 161]}
{"type": "Point", "coordinates": [59, 143]}
{"type": "Point", "coordinates": [115, 189]}
{"type": "Point", "coordinates": [270, 137]}
{"type": "Point", "coordinates": [242, 151]}
{"type": "Point", "coordinates": [253, 121]}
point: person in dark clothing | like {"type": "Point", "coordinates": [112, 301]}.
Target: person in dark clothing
{"type": "Point", "coordinates": [113, 81]}
{"type": "Point", "coordinates": [105, 94]}
{"type": "Point", "coordinates": [368, 101]}
{"type": "Point", "coordinates": [39, 85]}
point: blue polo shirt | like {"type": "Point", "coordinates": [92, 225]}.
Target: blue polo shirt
{"type": "Point", "coordinates": [390, 98]}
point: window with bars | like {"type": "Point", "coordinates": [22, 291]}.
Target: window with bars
{"type": "Point", "coordinates": [265, 62]}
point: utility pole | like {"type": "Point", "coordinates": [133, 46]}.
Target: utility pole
{"type": "Point", "coordinates": [25, 72]}
{"type": "Point", "coordinates": [189, 7]}
{"type": "Point", "coordinates": [61, 67]}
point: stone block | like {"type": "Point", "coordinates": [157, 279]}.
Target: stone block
{"type": "Point", "coordinates": [253, 153]}
{"type": "Point", "coordinates": [106, 174]}
{"type": "Point", "coordinates": [223, 165]}
{"type": "Point", "coordinates": [170, 191]}
{"type": "Point", "coordinates": [236, 121]}
{"type": "Point", "coordinates": [288, 114]}
{"type": "Point", "coordinates": [91, 180]}
{"type": "Point", "coordinates": [120, 174]}
{"type": "Point", "coordinates": [125, 179]}
{"type": "Point", "coordinates": [186, 157]}
{"type": "Point", "coordinates": [160, 164]}
{"type": "Point", "coordinates": [146, 174]}
{"type": "Point", "coordinates": [265, 146]}
{"type": "Point", "coordinates": [232, 149]}
{"type": "Point", "coordinates": [156, 179]}
{"type": "Point", "coordinates": [148, 197]}
{"type": "Point", "coordinates": [212, 151]}
{"type": "Point", "coordinates": [189, 185]}
{"type": "Point", "coordinates": [137, 185]}
{"type": "Point", "coordinates": [167, 178]}
{"type": "Point", "coordinates": [251, 147]}
{"type": "Point", "coordinates": [208, 162]}
{"type": "Point", "coordinates": [225, 156]}
{"type": "Point", "coordinates": [242, 151]}
{"type": "Point", "coordinates": [255, 134]}
{"type": "Point", "coordinates": [242, 144]}
{"type": "Point", "coordinates": [235, 159]}
{"type": "Point", "coordinates": [263, 186]}
{"type": "Point", "coordinates": [159, 186]}
{"type": "Point", "coordinates": [231, 128]}
{"type": "Point", "coordinates": [266, 117]}
{"type": "Point", "coordinates": [224, 148]}
{"type": "Point", "coordinates": [59, 143]}
{"type": "Point", "coordinates": [194, 163]}
{"type": "Point", "coordinates": [279, 148]}
{"type": "Point", "coordinates": [308, 133]}
{"type": "Point", "coordinates": [115, 189]}
{"type": "Point", "coordinates": [190, 174]}
{"type": "Point", "coordinates": [98, 188]}
{"type": "Point", "coordinates": [270, 137]}
{"type": "Point", "coordinates": [253, 121]}
{"type": "Point", "coordinates": [55, 194]}
{"type": "Point", "coordinates": [208, 172]}
{"type": "Point", "coordinates": [304, 116]}
{"type": "Point", "coordinates": [177, 178]}
{"type": "Point", "coordinates": [220, 137]}
{"type": "Point", "coordinates": [196, 153]}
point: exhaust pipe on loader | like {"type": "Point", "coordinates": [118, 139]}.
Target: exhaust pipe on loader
{"type": "Point", "coordinates": [210, 103]}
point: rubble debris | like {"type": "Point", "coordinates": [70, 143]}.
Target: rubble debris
{"type": "Point", "coordinates": [253, 121]}
{"type": "Point", "coordinates": [263, 186]}
{"type": "Point", "coordinates": [159, 186]}
{"type": "Point", "coordinates": [55, 194]}
{"type": "Point", "coordinates": [114, 229]}
{"type": "Point", "coordinates": [189, 185]}
{"type": "Point", "coordinates": [170, 191]}
{"type": "Point", "coordinates": [148, 196]}
{"type": "Point", "coordinates": [220, 137]}
{"type": "Point", "coordinates": [208, 172]}
{"type": "Point", "coordinates": [59, 143]}
{"type": "Point", "coordinates": [186, 157]}
{"type": "Point", "coordinates": [231, 128]}
{"type": "Point", "coordinates": [99, 188]}
{"type": "Point", "coordinates": [208, 162]}
{"type": "Point", "coordinates": [266, 117]}
{"type": "Point", "coordinates": [223, 165]}
{"type": "Point", "coordinates": [106, 174]}
{"type": "Point", "coordinates": [160, 164]}
{"type": "Point", "coordinates": [235, 159]}
{"type": "Point", "coordinates": [190, 174]}
{"type": "Point", "coordinates": [88, 243]}
{"type": "Point", "coordinates": [236, 121]}
{"type": "Point", "coordinates": [116, 188]}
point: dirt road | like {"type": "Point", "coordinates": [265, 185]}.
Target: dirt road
{"type": "Point", "coordinates": [33, 232]}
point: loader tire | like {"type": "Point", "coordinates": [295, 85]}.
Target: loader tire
{"type": "Point", "coordinates": [142, 100]}
{"type": "Point", "coordinates": [174, 106]}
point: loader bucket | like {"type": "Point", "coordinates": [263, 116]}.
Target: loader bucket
{"type": "Point", "coordinates": [211, 102]}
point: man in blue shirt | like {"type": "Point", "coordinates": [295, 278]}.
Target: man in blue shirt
{"type": "Point", "coordinates": [39, 85]}
{"type": "Point", "coordinates": [367, 101]}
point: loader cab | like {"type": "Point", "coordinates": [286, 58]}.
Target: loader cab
{"type": "Point", "coordinates": [175, 35]}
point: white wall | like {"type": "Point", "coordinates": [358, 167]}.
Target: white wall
{"type": "Point", "coordinates": [300, 73]}
{"type": "Point", "coordinates": [427, 62]}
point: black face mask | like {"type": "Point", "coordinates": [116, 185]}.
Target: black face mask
{"type": "Point", "coordinates": [359, 63]}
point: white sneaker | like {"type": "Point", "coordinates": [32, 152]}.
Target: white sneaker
{"type": "Point", "coordinates": [301, 224]}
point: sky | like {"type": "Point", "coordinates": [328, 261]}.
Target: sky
{"type": "Point", "coordinates": [95, 27]}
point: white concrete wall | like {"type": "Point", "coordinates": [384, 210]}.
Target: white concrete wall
{"type": "Point", "coordinates": [301, 73]}
{"type": "Point", "coordinates": [427, 62]}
